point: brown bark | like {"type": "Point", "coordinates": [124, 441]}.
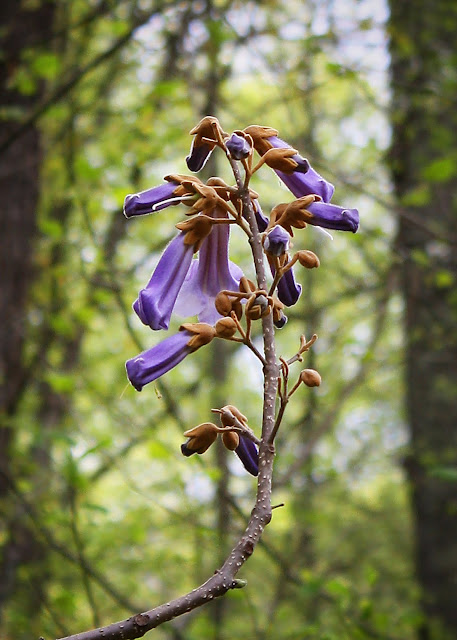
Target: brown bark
{"type": "Point", "coordinates": [424, 169]}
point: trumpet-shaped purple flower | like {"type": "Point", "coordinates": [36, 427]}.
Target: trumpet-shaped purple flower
{"type": "Point", "coordinates": [189, 287]}
{"type": "Point", "coordinates": [303, 180]}
{"type": "Point", "coordinates": [153, 363]}
{"type": "Point", "coordinates": [155, 302]}
{"type": "Point", "coordinates": [331, 216]}
{"type": "Point", "coordinates": [248, 454]}
{"type": "Point", "coordinates": [210, 273]}
{"type": "Point", "coordinates": [150, 200]}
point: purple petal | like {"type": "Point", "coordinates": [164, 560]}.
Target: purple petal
{"type": "Point", "coordinates": [209, 274]}
{"type": "Point", "coordinates": [139, 204]}
{"type": "Point", "coordinates": [304, 180]}
{"type": "Point", "coordinates": [304, 184]}
{"type": "Point", "coordinates": [155, 302]}
{"type": "Point", "coordinates": [261, 218]}
{"type": "Point", "coordinates": [153, 363]}
{"type": "Point", "coordinates": [277, 241]}
{"type": "Point", "coordinates": [288, 289]}
{"type": "Point", "coordinates": [330, 216]}
{"type": "Point", "coordinates": [238, 146]}
{"type": "Point", "coordinates": [248, 454]}
{"type": "Point", "coordinates": [199, 154]}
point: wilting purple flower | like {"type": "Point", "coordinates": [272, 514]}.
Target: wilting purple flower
{"type": "Point", "coordinates": [331, 216]}
{"type": "Point", "coordinates": [238, 146]}
{"type": "Point", "coordinates": [276, 241]}
{"type": "Point", "coordinates": [155, 302]}
{"type": "Point", "coordinates": [248, 454]}
{"type": "Point", "coordinates": [140, 204]}
{"type": "Point", "coordinates": [303, 180]}
{"type": "Point", "coordinates": [153, 363]}
{"type": "Point", "coordinates": [209, 274]}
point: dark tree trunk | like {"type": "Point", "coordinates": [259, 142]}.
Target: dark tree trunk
{"type": "Point", "coordinates": [424, 168]}
{"type": "Point", "coordinates": [22, 28]}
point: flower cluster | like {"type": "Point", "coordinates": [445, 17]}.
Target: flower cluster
{"type": "Point", "coordinates": [195, 277]}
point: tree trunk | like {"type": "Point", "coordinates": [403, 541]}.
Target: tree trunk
{"type": "Point", "coordinates": [424, 168]}
{"type": "Point", "coordinates": [22, 29]}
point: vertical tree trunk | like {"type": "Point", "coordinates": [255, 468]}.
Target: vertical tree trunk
{"type": "Point", "coordinates": [22, 28]}
{"type": "Point", "coordinates": [424, 168]}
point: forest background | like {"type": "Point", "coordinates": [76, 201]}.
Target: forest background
{"type": "Point", "coordinates": [101, 516]}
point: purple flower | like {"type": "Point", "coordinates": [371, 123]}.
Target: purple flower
{"type": "Point", "coordinates": [288, 289]}
{"type": "Point", "coordinates": [209, 274]}
{"type": "Point", "coordinates": [331, 216]}
{"type": "Point", "coordinates": [155, 302]}
{"type": "Point", "coordinates": [238, 146]}
{"type": "Point", "coordinates": [303, 180]}
{"type": "Point", "coordinates": [189, 287]}
{"type": "Point", "coordinates": [248, 454]}
{"type": "Point", "coordinates": [199, 154]}
{"type": "Point", "coordinates": [140, 204]}
{"type": "Point", "coordinates": [276, 241]}
{"type": "Point", "coordinates": [153, 363]}
{"type": "Point", "coordinates": [207, 134]}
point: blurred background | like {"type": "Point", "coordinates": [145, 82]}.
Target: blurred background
{"type": "Point", "coordinates": [100, 515]}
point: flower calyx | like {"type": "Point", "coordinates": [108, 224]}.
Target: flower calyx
{"type": "Point", "coordinates": [293, 214]}
{"type": "Point", "coordinates": [258, 305]}
{"type": "Point", "coordinates": [196, 230]}
{"type": "Point", "coordinates": [203, 333]}
{"type": "Point", "coordinates": [199, 439]}
{"type": "Point", "coordinates": [260, 135]}
{"type": "Point", "coordinates": [208, 131]}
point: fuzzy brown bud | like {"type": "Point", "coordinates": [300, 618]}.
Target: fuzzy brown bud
{"type": "Point", "coordinates": [231, 440]}
{"type": "Point", "coordinates": [310, 377]}
{"type": "Point", "coordinates": [308, 259]}
{"type": "Point", "coordinates": [223, 304]}
{"type": "Point", "coordinates": [226, 328]}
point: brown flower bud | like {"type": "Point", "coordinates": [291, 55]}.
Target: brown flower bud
{"type": "Point", "coordinates": [223, 304]}
{"type": "Point", "coordinates": [310, 377]}
{"type": "Point", "coordinates": [231, 440]}
{"type": "Point", "coordinates": [200, 438]}
{"type": "Point", "coordinates": [203, 334]}
{"type": "Point", "coordinates": [226, 328]}
{"type": "Point", "coordinates": [308, 259]}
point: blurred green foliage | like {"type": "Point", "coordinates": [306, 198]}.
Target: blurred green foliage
{"type": "Point", "coordinates": [124, 522]}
